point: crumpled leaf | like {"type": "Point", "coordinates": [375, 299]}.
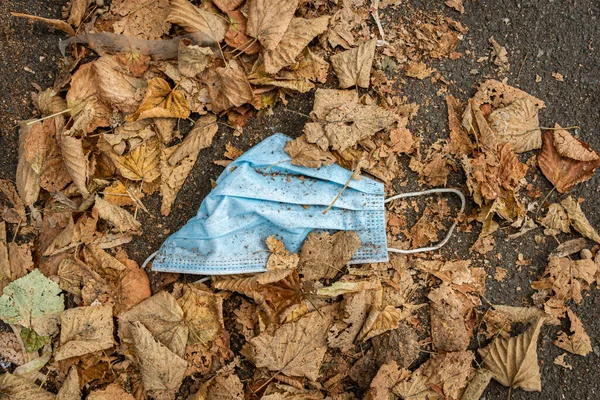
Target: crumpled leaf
{"type": "Point", "coordinates": [449, 330]}
{"type": "Point", "coordinates": [449, 373]}
{"type": "Point", "coordinates": [307, 154]}
{"type": "Point", "coordinates": [54, 23]}
{"type": "Point", "coordinates": [33, 302]}
{"type": "Point", "coordinates": [117, 216]}
{"type": "Point", "coordinates": [85, 330]}
{"type": "Point", "coordinates": [298, 35]}
{"type": "Point", "coordinates": [280, 258]}
{"type": "Point", "coordinates": [324, 255]}
{"type": "Point", "coordinates": [387, 376]}
{"type": "Point", "coordinates": [160, 101]}
{"type": "Point", "coordinates": [418, 70]}
{"type": "Point", "coordinates": [269, 19]}
{"type": "Point", "coordinates": [19, 387]}
{"type": "Point", "coordinates": [556, 218]}
{"type": "Point", "coordinates": [115, 87]}
{"type": "Point", "coordinates": [162, 370]}
{"type": "Point", "coordinates": [577, 343]}
{"type": "Point", "coordinates": [221, 387]}
{"type": "Point", "coordinates": [196, 20]}
{"type": "Point", "coordinates": [139, 19]}
{"type": "Point", "coordinates": [162, 316]}
{"type": "Point", "coordinates": [342, 287]}
{"type": "Point", "coordinates": [343, 22]}
{"type": "Point", "coordinates": [517, 124]}
{"type": "Point", "coordinates": [380, 321]}
{"type": "Point", "coordinates": [513, 362]}
{"type": "Point", "coordinates": [353, 67]}
{"type": "Point", "coordinates": [32, 153]}
{"type": "Point", "coordinates": [192, 59]}
{"type": "Point", "coordinates": [227, 87]}
{"type": "Point", "coordinates": [200, 137]}
{"type": "Point", "coordinates": [456, 4]}
{"type": "Point", "coordinates": [70, 389]}
{"type": "Point", "coordinates": [566, 161]}
{"type": "Point", "coordinates": [355, 310]}
{"type": "Point", "coordinates": [578, 219]}
{"type": "Point", "coordinates": [296, 348]}
{"type": "Point", "coordinates": [500, 56]}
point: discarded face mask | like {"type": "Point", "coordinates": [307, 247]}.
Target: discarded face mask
{"type": "Point", "coordinates": [262, 194]}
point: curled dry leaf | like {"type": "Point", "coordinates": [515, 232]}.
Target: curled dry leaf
{"type": "Point", "coordinates": [19, 387]}
{"type": "Point", "coordinates": [556, 218]}
{"type": "Point", "coordinates": [77, 12]}
{"type": "Point", "coordinates": [449, 331]}
{"type": "Point", "coordinates": [160, 101]}
{"type": "Point", "coordinates": [227, 88]}
{"type": "Point", "coordinates": [85, 330]}
{"type": "Point", "coordinates": [32, 152]}
{"type": "Point", "coordinates": [211, 26]}
{"type": "Point", "coordinates": [298, 35]}
{"type": "Point", "coordinates": [578, 219]}
{"type": "Point", "coordinates": [513, 362]}
{"type": "Point", "coordinates": [162, 370]}
{"type": "Point", "coordinates": [54, 23]}
{"type": "Point", "coordinates": [353, 67]}
{"type": "Point", "coordinates": [500, 56]}
{"type": "Point", "coordinates": [269, 19]}
{"type": "Point", "coordinates": [566, 161]}
{"type": "Point", "coordinates": [577, 343]}
{"type": "Point", "coordinates": [117, 216]}
{"type": "Point", "coordinates": [499, 94]}
{"type": "Point", "coordinates": [296, 348]}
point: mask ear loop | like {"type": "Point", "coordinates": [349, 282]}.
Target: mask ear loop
{"type": "Point", "coordinates": [425, 193]}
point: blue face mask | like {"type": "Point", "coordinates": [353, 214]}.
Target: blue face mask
{"type": "Point", "coordinates": [262, 194]}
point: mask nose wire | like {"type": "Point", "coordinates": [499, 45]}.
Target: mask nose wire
{"type": "Point", "coordinates": [425, 193]}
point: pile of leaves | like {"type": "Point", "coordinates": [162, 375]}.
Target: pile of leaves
{"type": "Point", "coordinates": [80, 315]}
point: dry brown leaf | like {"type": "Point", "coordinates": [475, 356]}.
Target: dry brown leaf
{"type": "Point", "coordinates": [344, 331]}
{"type": "Point", "coordinates": [200, 137]}
{"type": "Point", "coordinates": [499, 94]}
{"type": "Point", "coordinates": [269, 19]}
{"type": "Point", "coordinates": [116, 87]}
{"type": "Point", "coordinates": [83, 93]}
{"type": "Point", "coordinates": [211, 26]}
{"type": "Point", "coordinates": [162, 370]}
{"type": "Point", "coordinates": [19, 387]}
{"type": "Point", "coordinates": [577, 343]}
{"type": "Point", "coordinates": [78, 11]}
{"type": "Point", "coordinates": [54, 23]}
{"type": "Point", "coordinates": [140, 19]}
{"type": "Point", "coordinates": [85, 330]}
{"type": "Point", "coordinates": [296, 348]}
{"type": "Point", "coordinates": [513, 362]}
{"type": "Point", "coordinates": [55, 175]}
{"type": "Point", "coordinates": [75, 161]}
{"type": "Point", "coordinates": [500, 56]}
{"type": "Point", "coordinates": [236, 36]}
{"type": "Point", "coordinates": [221, 387]}
{"type": "Point", "coordinates": [15, 259]}
{"type": "Point", "coordinates": [70, 389]}
{"type": "Point", "coordinates": [32, 152]}
{"type": "Point", "coordinates": [202, 313]}
{"type": "Point", "coordinates": [117, 216]}
{"type": "Point", "coordinates": [11, 348]}
{"type": "Point", "coordinates": [456, 4]}
{"type": "Point", "coordinates": [192, 59]}
{"type": "Point", "coordinates": [460, 143]}
{"type": "Point", "coordinates": [10, 193]}
{"type": "Point", "coordinates": [379, 321]}
{"type": "Point", "coordinates": [134, 285]}
{"type": "Point", "coordinates": [74, 274]}
{"type": "Point", "coordinates": [442, 376]}
{"type": "Point", "coordinates": [343, 22]}
{"type": "Point", "coordinates": [48, 102]}
{"type": "Point", "coordinates": [307, 154]}
{"type": "Point", "coordinates": [298, 35]}
{"type": "Point", "coordinates": [556, 218]}
{"type": "Point", "coordinates": [477, 385]}
{"type": "Point", "coordinates": [111, 392]}
{"type": "Point", "coordinates": [418, 70]}
{"type": "Point", "coordinates": [563, 171]}
{"type": "Point", "coordinates": [386, 378]}
{"type": "Point", "coordinates": [400, 345]}
{"type": "Point", "coordinates": [353, 67]}
{"type": "Point", "coordinates": [560, 360]}
{"type": "Point", "coordinates": [163, 316]}
{"type": "Point", "coordinates": [517, 124]}
{"type": "Point", "coordinates": [569, 247]}
{"type": "Point", "coordinates": [401, 140]}
{"type": "Point", "coordinates": [228, 5]}
{"type": "Point", "coordinates": [227, 88]}
{"type": "Point", "coordinates": [324, 255]}
{"type": "Point", "coordinates": [141, 164]}
{"type": "Point", "coordinates": [173, 177]}
{"type": "Point", "coordinates": [449, 330]}
{"type": "Point", "coordinates": [326, 100]}
{"type": "Point", "coordinates": [280, 258]}
{"type": "Point", "coordinates": [160, 101]}
{"type": "Point", "coordinates": [578, 219]}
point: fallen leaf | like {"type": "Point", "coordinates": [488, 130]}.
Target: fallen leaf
{"type": "Point", "coordinates": [221, 387]}
{"type": "Point", "coordinates": [355, 308]}
{"type": "Point", "coordinates": [499, 94]}
{"type": "Point", "coordinates": [78, 11]}
{"type": "Point", "coordinates": [133, 285]}
{"type": "Point", "coordinates": [83, 94]}
{"type": "Point", "coordinates": [326, 100]}
{"type": "Point", "coordinates": [298, 35]}
{"type": "Point", "coordinates": [162, 316]}
{"type": "Point", "coordinates": [456, 4]}
{"type": "Point", "coordinates": [228, 5]}
{"type": "Point", "coordinates": [202, 313]}
{"type": "Point", "coordinates": [296, 348]}
{"type": "Point", "coordinates": [75, 161]}
{"type": "Point", "coordinates": [401, 140]}
{"type": "Point", "coordinates": [342, 287]}
{"type": "Point", "coordinates": [11, 348]}
{"type": "Point", "coordinates": [500, 56]}
{"type": "Point", "coordinates": [307, 154]}
{"type": "Point", "coordinates": [418, 70]}
{"type": "Point", "coordinates": [236, 36]}
{"type": "Point", "coordinates": [200, 137]}
{"type": "Point", "coordinates": [139, 19]}
{"type": "Point", "coordinates": [117, 216]}
{"type": "Point", "coordinates": [324, 255]}
{"type": "Point", "coordinates": [32, 152]}
{"type": "Point", "coordinates": [116, 87]}
{"type": "Point", "coordinates": [353, 67]}
{"type": "Point", "coordinates": [269, 19]}
{"type": "Point", "coordinates": [560, 360]}
{"type": "Point", "coordinates": [577, 343]}
{"type": "Point", "coordinates": [54, 176]}
{"type": "Point", "coordinates": [513, 362]}
{"type": "Point", "coordinates": [517, 124]}
{"type": "Point", "coordinates": [556, 218]}
{"type": "Point", "coordinates": [227, 88]}
{"type": "Point", "coordinates": [111, 392]}
{"type": "Point", "coordinates": [343, 22]}
{"type": "Point", "coordinates": [192, 59]}
{"type": "Point", "coordinates": [386, 378]}
{"type": "Point", "coordinates": [569, 247]}
{"type": "Point", "coordinates": [379, 321]}
{"type": "Point", "coordinates": [578, 219]}
{"type": "Point", "coordinates": [49, 102]}
{"type": "Point", "coordinates": [400, 345]}
{"type": "Point", "coordinates": [160, 101]}
{"type": "Point", "coordinates": [280, 258]}
{"type": "Point", "coordinates": [211, 26]}
{"type": "Point", "coordinates": [19, 387]}
{"type": "Point", "coordinates": [449, 330]}
{"type": "Point", "coordinates": [70, 389]}
{"type": "Point", "coordinates": [33, 302]}
{"type": "Point", "coordinates": [573, 164]}
{"type": "Point", "coordinates": [54, 23]}
{"type": "Point", "coordinates": [141, 164]}
{"type": "Point", "coordinates": [558, 77]}
{"type": "Point", "coordinates": [162, 370]}
{"type": "Point", "coordinates": [477, 385]}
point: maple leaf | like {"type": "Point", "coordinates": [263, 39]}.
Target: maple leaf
{"type": "Point", "coordinates": [202, 23]}
{"type": "Point", "coordinates": [579, 341]}
{"type": "Point", "coordinates": [513, 362]}
{"type": "Point", "coordinates": [269, 19]}
{"type": "Point", "coordinates": [566, 161]}
{"type": "Point", "coordinates": [295, 349]}
{"type": "Point", "coordinates": [578, 219]}
{"type": "Point", "coordinates": [353, 67]}
{"type": "Point", "coordinates": [160, 101]}
{"type": "Point", "coordinates": [298, 35]}
{"type": "Point", "coordinates": [140, 164]}
{"type": "Point", "coordinates": [85, 330]}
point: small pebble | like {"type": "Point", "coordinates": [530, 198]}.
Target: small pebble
{"type": "Point", "coordinates": [585, 254]}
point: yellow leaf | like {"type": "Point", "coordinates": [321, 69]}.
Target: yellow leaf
{"type": "Point", "coordinates": [162, 102]}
